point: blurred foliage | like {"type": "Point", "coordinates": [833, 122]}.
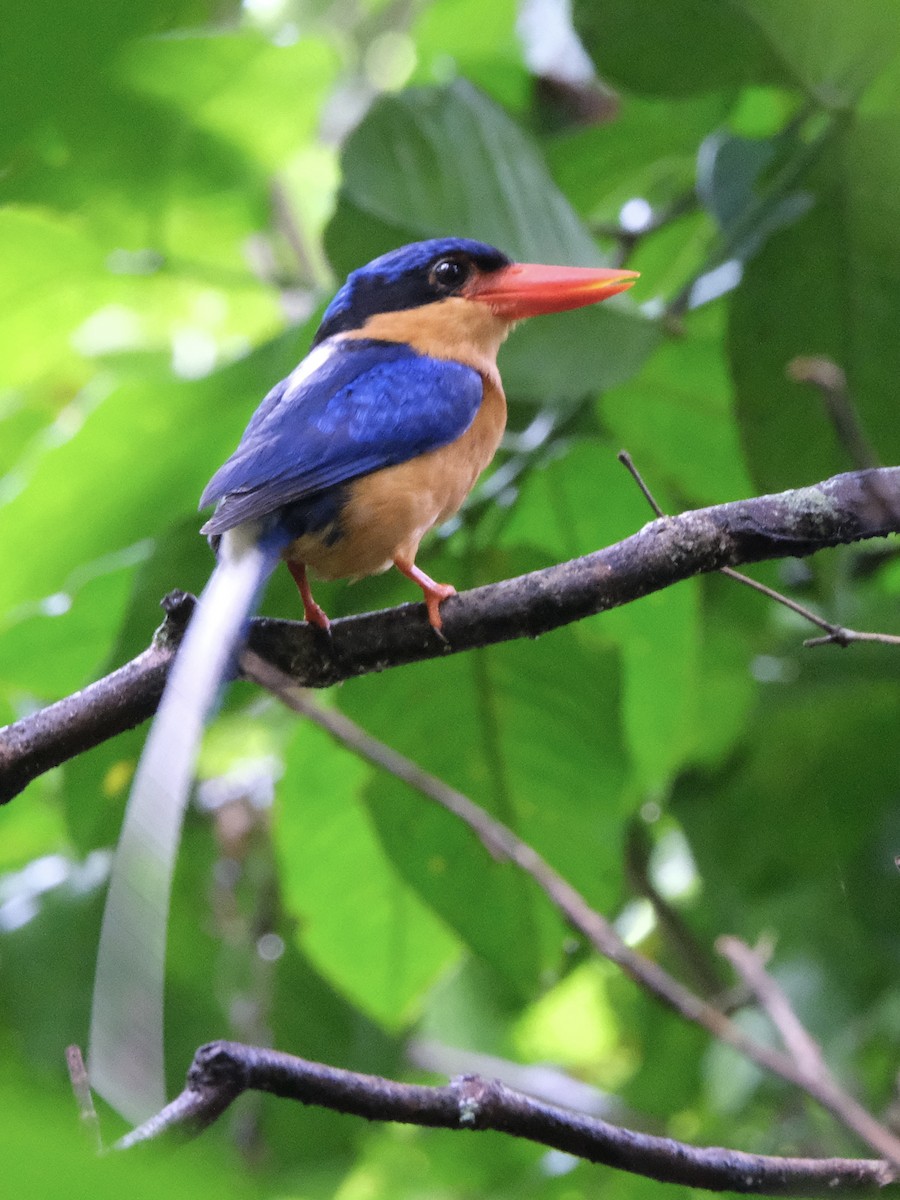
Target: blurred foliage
{"type": "Point", "coordinates": [182, 184]}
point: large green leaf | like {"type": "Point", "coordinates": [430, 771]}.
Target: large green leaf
{"type": "Point", "coordinates": [356, 920]}
{"type": "Point", "coordinates": [833, 51]}
{"type": "Point", "coordinates": [576, 505]}
{"type": "Point", "coordinates": [444, 161]}
{"type": "Point", "coordinates": [839, 305]}
{"type": "Point", "coordinates": [677, 48]}
{"type": "Point", "coordinates": [240, 87]}
{"type": "Point", "coordinates": [820, 770]}
{"type": "Point", "coordinates": [686, 47]}
{"type": "Point", "coordinates": [530, 732]}
{"type": "Point", "coordinates": [53, 277]}
{"type": "Point", "coordinates": [135, 465]}
{"type": "Point", "coordinates": [442, 34]}
{"type": "Point", "coordinates": [51, 648]}
{"type": "Point", "coordinates": [77, 47]}
{"type": "Point", "coordinates": [649, 152]}
{"type": "Point", "coordinates": [677, 420]}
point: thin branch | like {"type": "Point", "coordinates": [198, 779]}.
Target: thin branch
{"type": "Point", "coordinates": [221, 1071]}
{"type": "Point", "coordinates": [631, 467]}
{"type": "Point", "coordinates": [81, 1087]}
{"type": "Point", "coordinates": [835, 634]}
{"type": "Point", "coordinates": [831, 382]}
{"type": "Point", "coordinates": [843, 509]}
{"type": "Point", "coordinates": [801, 610]}
{"type": "Point", "coordinates": [839, 636]}
{"type": "Point", "coordinates": [116, 702]}
{"type": "Point", "coordinates": [695, 960]}
{"type": "Point", "coordinates": [500, 841]}
{"type": "Point", "coordinates": [750, 965]}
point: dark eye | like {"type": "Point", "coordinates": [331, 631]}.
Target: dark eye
{"type": "Point", "coordinates": [450, 273]}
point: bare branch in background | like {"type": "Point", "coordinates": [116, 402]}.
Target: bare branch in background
{"type": "Point", "coordinates": [750, 965]}
{"type": "Point", "coordinates": [834, 634]}
{"type": "Point", "coordinates": [78, 1077]}
{"type": "Point", "coordinates": [221, 1071]}
{"type": "Point", "coordinates": [831, 382]}
{"type": "Point", "coordinates": [500, 841]}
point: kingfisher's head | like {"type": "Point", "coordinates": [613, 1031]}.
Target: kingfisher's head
{"type": "Point", "coordinates": [481, 284]}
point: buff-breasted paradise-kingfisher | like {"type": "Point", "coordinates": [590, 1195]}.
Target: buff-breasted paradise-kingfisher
{"type": "Point", "coordinates": [376, 437]}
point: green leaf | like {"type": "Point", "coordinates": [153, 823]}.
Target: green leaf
{"type": "Point", "coordinates": [559, 359]}
{"type": "Point", "coordinates": [649, 151]}
{"type": "Point", "coordinates": [358, 923]}
{"type": "Point", "coordinates": [53, 648]}
{"type": "Point", "coordinates": [817, 769]}
{"type": "Point", "coordinates": [78, 48]}
{"type": "Point", "coordinates": [531, 733]}
{"type": "Point", "coordinates": [445, 161]}
{"type": "Point", "coordinates": [838, 306]}
{"type": "Point", "coordinates": [577, 505]}
{"type": "Point", "coordinates": [434, 162]}
{"type": "Point", "coordinates": [492, 61]}
{"type": "Point", "coordinates": [679, 48]}
{"type": "Point", "coordinates": [235, 86]}
{"type": "Point", "coordinates": [833, 51]}
{"type": "Point", "coordinates": [53, 277]}
{"type": "Point", "coordinates": [135, 463]}
{"type": "Point", "coordinates": [676, 418]}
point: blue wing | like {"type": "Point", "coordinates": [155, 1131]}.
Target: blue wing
{"type": "Point", "coordinates": [351, 407]}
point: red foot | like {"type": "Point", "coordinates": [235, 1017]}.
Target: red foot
{"type": "Point", "coordinates": [433, 592]}
{"type": "Point", "coordinates": [311, 611]}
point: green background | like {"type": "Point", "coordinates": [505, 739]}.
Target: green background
{"type": "Point", "coordinates": [182, 185]}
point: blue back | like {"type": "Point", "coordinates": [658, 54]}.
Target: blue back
{"type": "Point", "coordinates": [365, 405]}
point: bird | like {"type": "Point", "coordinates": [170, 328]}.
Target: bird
{"type": "Point", "coordinates": [376, 437]}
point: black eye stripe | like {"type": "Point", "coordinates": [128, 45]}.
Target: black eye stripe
{"type": "Point", "coordinates": [423, 273]}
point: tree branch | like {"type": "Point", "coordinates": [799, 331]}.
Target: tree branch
{"type": "Point", "coordinates": [831, 381]}
{"type": "Point", "coordinates": [500, 841]}
{"type": "Point", "coordinates": [834, 634]}
{"type": "Point", "coordinates": [750, 965]}
{"type": "Point", "coordinates": [81, 1087]}
{"type": "Point", "coordinates": [221, 1071]}
{"type": "Point", "coordinates": [845, 508]}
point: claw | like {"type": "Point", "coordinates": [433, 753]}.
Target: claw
{"type": "Point", "coordinates": [312, 612]}
{"type": "Point", "coordinates": [433, 593]}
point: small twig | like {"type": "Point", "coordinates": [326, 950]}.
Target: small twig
{"type": "Point", "coordinates": [840, 636]}
{"type": "Point", "coordinates": [831, 381]}
{"type": "Point", "coordinates": [750, 965]}
{"type": "Point", "coordinates": [502, 842]}
{"type": "Point", "coordinates": [221, 1071]}
{"type": "Point", "coordinates": [82, 1089]}
{"type": "Point", "coordinates": [629, 239]}
{"type": "Point", "coordinates": [695, 959]}
{"type": "Point", "coordinates": [802, 1047]}
{"type": "Point", "coordinates": [287, 223]}
{"type": "Point", "coordinates": [835, 634]}
{"type": "Point", "coordinates": [629, 464]}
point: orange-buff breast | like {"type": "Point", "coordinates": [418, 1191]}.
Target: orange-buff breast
{"type": "Point", "coordinates": [388, 512]}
